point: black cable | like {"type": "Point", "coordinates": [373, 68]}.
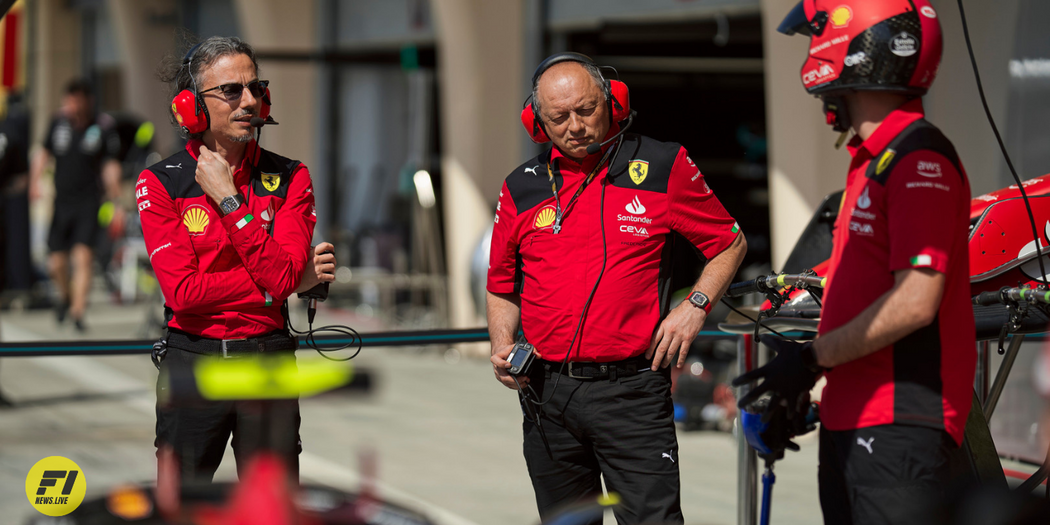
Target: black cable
{"type": "Point", "coordinates": [757, 322]}
{"type": "Point", "coordinates": [815, 298]}
{"type": "Point", "coordinates": [355, 338]}
{"type": "Point", "coordinates": [587, 304]}
{"type": "Point", "coordinates": [1002, 146]}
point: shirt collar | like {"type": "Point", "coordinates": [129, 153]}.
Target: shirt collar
{"type": "Point", "coordinates": [251, 153]}
{"type": "Point", "coordinates": [588, 162]}
{"type": "Point", "coordinates": [891, 126]}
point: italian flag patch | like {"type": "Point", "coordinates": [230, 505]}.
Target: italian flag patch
{"type": "Point", "coordinates": [244, 221]}
{"type": "Point", "coordinates": [736, 227]}
{"type": "Point", "coordinates": [269, 298]}
{"type": "Point", "coordinates": [921, 260]}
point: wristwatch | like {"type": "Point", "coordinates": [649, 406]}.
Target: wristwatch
{"type": "Point", "coordinates": [230, 204]}
{"type": "Point", "coordinates": [701, 301]}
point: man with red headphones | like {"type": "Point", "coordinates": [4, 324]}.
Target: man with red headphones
{"type": "Point", "coordinates": [896, 336]}
{"type": "Point", "coordinates": [228, 227]}
{"type": "Point", "coordinates": [580, 259]}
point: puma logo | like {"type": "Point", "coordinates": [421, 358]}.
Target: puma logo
{"type": "Point", "coordinates": [176, 166]}
{"type": "Point", "coordinates": [668, 456]}
{"type": "Point", "coordinates": [532, 169]}
{"type": "Point", "coordinates": [867, 445]}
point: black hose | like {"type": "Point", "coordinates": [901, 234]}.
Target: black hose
{"type": "Point", "coordinates": [1009, 163]}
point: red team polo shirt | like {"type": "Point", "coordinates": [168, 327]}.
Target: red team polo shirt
{"type": "Point", "coordinates": [906, 205]}
{"type": "Point", "coordinates": [226, 277]}
{"type": "Point", "coordinates": [656, 191]}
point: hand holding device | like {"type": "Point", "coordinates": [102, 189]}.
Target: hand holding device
{"type": "Point", "coordinates": [501, 365]}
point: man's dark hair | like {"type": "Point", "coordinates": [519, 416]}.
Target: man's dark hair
{"type": "Point", "coordinates": [79, 86]}
{"type": "Point", "coordinates": [182, 72]}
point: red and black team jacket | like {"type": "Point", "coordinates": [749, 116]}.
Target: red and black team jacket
{"type": "Point", "coordinates": [906, 205]}
{"type": "Point", "coordinates": [654, 195]}
{"type": "Point", "coordinates": [226, 277]}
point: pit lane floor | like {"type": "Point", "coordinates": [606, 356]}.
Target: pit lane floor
{"type": "Point", "coordinates": [447, 437]}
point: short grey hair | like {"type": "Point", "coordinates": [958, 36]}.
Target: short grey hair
{"type": "Point", "coordinates": [592, 70]}
{"type": "Point", "coordinates": [185, 72]}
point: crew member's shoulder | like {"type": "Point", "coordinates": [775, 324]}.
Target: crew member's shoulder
{"type": "Point", "coordinates": [529, 184]}
{"type": "Point", "coordinates": [644, 163]}
{"type": "Point", "coordinates": [920, 136]}
{"type": "Point", "coordinates": [270, 161]}
{"type": "Point", "coordinates": [177, 174]}
{"type": "Point", "coordinates": [275, 174]}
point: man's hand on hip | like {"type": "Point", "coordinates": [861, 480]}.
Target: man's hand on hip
{"type": "Point", "coordinates": [500, 365]}
{"type": "Point", "coordinates": [675, 334]}
{"type": "Point", "coordinates": [214, 175]}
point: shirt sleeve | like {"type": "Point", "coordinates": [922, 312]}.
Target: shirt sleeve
{"type": "Point", "coordinates": [186, 288]}
{"type": "Point", "coordinates": [694, 210]}
{"type": "Point", "coordinates": [277, 262]}
{"type": "Point", "coordinates": [922, 208]}
{"type": "Point", "coordinates": [503, 252]}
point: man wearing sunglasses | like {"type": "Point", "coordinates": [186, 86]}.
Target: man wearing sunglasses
{"type": "Point", "coordinates": [228, 227]}
{"type": "Point", "coordinates": [896, 335]}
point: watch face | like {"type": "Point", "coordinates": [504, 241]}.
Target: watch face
{"type": "Point", "coordinates": [699, 299]}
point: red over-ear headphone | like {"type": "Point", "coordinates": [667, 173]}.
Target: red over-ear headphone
{"type": "Point", "coordinates": [189, 109]}
{"type": "Point", "coordinates": [616, 93]}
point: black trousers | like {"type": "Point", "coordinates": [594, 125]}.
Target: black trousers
{"type": "Point", "coordinates": [886, 474]}
{"type": "Point", "coordinates": [198, 431]}
{"type": "Point", "coordinates": [622, 430]}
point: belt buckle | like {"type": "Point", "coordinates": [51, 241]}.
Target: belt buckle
{"type": "Point", "coordinates": [225, 355]}
{"type": "Point", "coordinates": [602, 369]}
{"type": "Point", "coordinates": [572, 375]}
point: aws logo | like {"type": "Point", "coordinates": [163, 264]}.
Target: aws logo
{"type": "Point", "coordinates": [195, 219]}
{"type": "Point", "coordinates": [55, 486]}
{"type": "Point", "coordinates": [544, 217]}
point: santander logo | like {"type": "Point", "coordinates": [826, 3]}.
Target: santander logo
{"type": "Point", "coordinates": [635, 206]}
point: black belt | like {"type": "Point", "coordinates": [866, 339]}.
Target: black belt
{"type": "Point", "coordinates": [276, 341]}
{"type": "Point", "coordinates": [610, 370]}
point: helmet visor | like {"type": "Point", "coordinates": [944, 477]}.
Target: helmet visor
{"type": "Point", "coordinates": [795, 22]}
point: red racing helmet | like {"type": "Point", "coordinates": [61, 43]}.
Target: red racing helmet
{"type": "Point", "coordinates": [889, 45]}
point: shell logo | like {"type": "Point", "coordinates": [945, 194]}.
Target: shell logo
{"type": "Point", "coordinates": [841, 16]}
{"type": "Point", "coordinates": [195, 219]}
{"type": "Point", "coordinates": [545, 218]}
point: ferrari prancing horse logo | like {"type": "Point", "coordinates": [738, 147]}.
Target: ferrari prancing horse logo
{"type": "Point", "coordinates": [638, 170]}
{"type": "Point", "coordinates": [271, 181]}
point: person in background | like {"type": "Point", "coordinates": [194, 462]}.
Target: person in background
{"type": "Point", "coordinates": [82, 147]}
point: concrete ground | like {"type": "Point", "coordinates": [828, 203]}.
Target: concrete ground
{"type": "Point", "coordinates": [446, 435]}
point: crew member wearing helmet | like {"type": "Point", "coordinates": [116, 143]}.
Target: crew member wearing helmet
{"type": "Point", "coordinates": [896, 337]}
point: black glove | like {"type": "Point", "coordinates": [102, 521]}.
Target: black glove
{"type": "Point", "coordinates": [779, 432]}
{"type": "Point", "coordinates": [788, 377]}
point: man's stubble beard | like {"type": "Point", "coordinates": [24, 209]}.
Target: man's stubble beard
{"type": "Point", "coordinates": [240, 139]}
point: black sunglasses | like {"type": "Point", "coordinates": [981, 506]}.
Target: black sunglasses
{"type": "Point", "coordinates": [233, 91]}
